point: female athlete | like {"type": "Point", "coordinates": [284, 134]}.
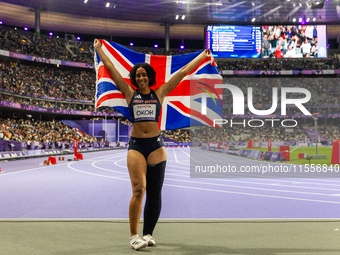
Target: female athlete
{"type": "Point", "coordinates": [146, 158]}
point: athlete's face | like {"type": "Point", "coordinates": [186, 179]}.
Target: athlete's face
{"type": "Point", "coordinates": [142, 78]}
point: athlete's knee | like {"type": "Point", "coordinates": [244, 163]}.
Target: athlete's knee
{"type": "Point", "coordinates": [138, 191]}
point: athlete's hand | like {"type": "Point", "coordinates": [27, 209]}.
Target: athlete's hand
{"type": "Point", "coordinates": [97, 44]}
{"type": "Point", "coordinates": [206, 53]}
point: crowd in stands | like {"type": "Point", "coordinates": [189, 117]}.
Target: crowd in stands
{"type": "Point", "coordinates": [239, 133]}
{"type": "Point", "coordinates": [290, 41]}
{"type": "Point", "coordinates": [279, 64]}
{"type": "Point", "coordinates": [30, 130]}
{"type": "Point", "coordinates": [324, 91]}
{"type": "Point", "coordinates": [330, 132]}
{"type": "Point", "coordinates": [180, 135]}
{"type": "Point", "coordinates": [30, 84]}
{"type": "Point", "coordinates": [50, 47]}
{"type": "Point", "coordinates": [53, 104]}
{"type": "Point", "coordinates": [69, 49]}
{"type": "Point", "coordinates": [47, 81]}
{"type": "Point", "coordinates": [39, 82]}
{"type": "Point", "coordinates": [161, 51]}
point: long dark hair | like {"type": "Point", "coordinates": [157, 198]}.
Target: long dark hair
{"type": "Point", "coordinates": [149, 71]}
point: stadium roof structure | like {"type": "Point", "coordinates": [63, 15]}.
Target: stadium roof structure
{"type": "Point", "coordinates": [144, 18]}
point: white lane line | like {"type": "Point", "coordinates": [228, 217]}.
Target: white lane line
{"type": "Point", "coordinates": [252, 188]}
{"type": "Point", "coordinates": [175, 166]}
{"type": "Point", "coordinates": [105, 169]}
{"type": "Point", "coordinates": [28, 170]}
{"type": "Point", "coordinates": [50, 166]}
{"type": "Point", "coordinates": [224, 185]}
{"type": "Point", "coordinates": [185, 174]}
{"type": "Point", "coordinates": [177, 160]}
{"type": "Point", "coordinates": [295, 148]}
{"type": "Point", "coordinates": [230, 158]}
{"type": "Point", "coordinates": [180, 175]}
{"type": "Point", "coordinates": [252, 194]}
{"type": "Point", "coordinates": [205, 189]}
{"type": "Point", "coordinates": [99, 175]}
{"type": "Point", "coordinates": [305, 182]}
{"type": "Point", "coordinates": [283, 185]}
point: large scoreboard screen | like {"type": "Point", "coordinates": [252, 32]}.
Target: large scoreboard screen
{"type": "Point", "coordinates": [234, 41]}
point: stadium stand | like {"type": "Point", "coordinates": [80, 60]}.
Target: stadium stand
{"type": "Point", "coordinates": [48, 133]}
{"type": "Point", "coordinates": [67, 88]}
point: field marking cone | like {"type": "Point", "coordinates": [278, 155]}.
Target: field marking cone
{"type": "Point", "coordinates": [47, 162]}
{"type": "Point", "coordinates": [335, 153]}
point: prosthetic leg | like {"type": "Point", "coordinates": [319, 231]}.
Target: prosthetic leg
{"type": "Point", "coordinates": [153, 204]}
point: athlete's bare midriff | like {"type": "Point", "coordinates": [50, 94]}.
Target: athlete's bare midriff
{"type": "Point", "coordinates": [145, 129]}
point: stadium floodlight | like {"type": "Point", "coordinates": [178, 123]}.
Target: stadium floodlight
{"type": "Point", "coordinates": [218, 2]}
{"type": "Point", "coordinates": [110, 4]}
{"type": "Point", "coordinates": [183, 17]}
{"type": "Point", "coordinates": [177, 16]}
{"type": "Point", "coordinates": [315, 4]}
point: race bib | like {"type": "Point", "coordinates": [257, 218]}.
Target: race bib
{"type": "Point", "coordinates": [144, 112]}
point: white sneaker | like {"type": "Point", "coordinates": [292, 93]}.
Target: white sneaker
{"type": "Point", "coordinates": [150, 240]}
{"type": "Point", "coordinates": [137, 243]}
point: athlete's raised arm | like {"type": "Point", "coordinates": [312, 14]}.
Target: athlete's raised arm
{"type": "Point", "coordinates": [165, 89]}
{"type": "Point", "coordinates": [122, 85]}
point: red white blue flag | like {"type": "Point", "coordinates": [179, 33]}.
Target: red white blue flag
{"type": "Point", "coordinates": [183, 106]}
{"type": "Point", "coordinates": [79, 133]}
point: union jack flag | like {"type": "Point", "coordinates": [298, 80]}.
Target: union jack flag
{"type": "Point", "coordinates": [183, 106]}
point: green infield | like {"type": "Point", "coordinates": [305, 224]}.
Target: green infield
{"type": "Point", "coordinates": [294, 153]}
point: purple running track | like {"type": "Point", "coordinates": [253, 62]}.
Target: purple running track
{"type": "Point", "coordinates": [98, 187]}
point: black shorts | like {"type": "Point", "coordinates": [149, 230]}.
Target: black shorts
{"type": "Point", "coordinates": [145, 145]}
